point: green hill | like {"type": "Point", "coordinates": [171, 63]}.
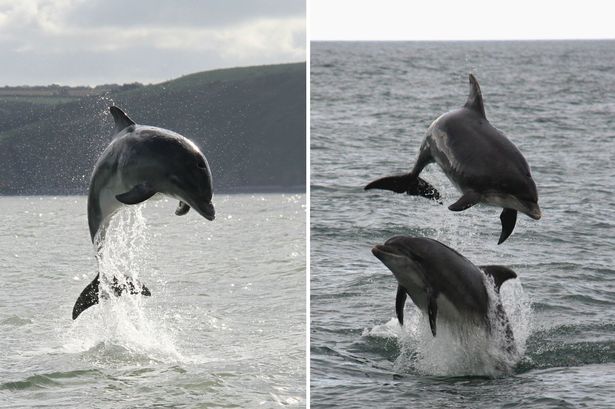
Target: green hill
{"type": "Point", "coordinates": [249, 122]}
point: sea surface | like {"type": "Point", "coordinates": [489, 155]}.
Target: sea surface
{"type": "Point", "coordinates": [224, 327]}
{"type": "Point", "coordinates": [371, 104]}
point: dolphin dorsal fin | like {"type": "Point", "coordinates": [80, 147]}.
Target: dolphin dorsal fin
{"type": "Point", "coordinates": [121, 119]}
{"type": "Point", "coordinates": [475, 98]}
{"type": "Point", "coordinates": [499, 273]}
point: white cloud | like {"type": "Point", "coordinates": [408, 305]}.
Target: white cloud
{"type": "Point", "coordinates": [46, 31]}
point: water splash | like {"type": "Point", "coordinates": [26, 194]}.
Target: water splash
{"type": "Point", "coordinates": [518, 308]}
{"type": "Point", "coordinates": [462, 349]}
{"type": "Point", "coordinates": [125, 329]}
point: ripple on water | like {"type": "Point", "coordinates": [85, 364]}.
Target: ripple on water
{"type": "Point", "coordinates": [15, 321]}
{"type": "Point", "coordinates": [49, 380]}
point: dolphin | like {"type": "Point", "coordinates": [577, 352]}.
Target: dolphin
{"type": "Point", "coordinates": [139, 162]}
{"type": "Point", "coordinates": [484, 165]}
{"type": "Point", "coordinates": [443, 283]}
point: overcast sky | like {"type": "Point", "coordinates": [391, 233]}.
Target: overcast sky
{"type": "Point", "coordinates": [461, 19]}
{"type": "Point", "coordinates": [89, 42]}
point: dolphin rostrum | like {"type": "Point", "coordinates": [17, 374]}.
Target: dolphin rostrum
{"type": "Point", "coordinates": [478, 159]}
{"type": "Point", "coordinates": [139, 162]}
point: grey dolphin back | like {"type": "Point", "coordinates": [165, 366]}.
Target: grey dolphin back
{"type": "Point", "coordinates": [475, 98]}
{"type": "Point", "coordinates": [122, 120]}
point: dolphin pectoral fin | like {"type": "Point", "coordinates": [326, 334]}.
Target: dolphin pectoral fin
{"type": "Point", "coordinates": [508, 218]}
{"type": "Point", "coordinates": [408, 183]}
{"type": "Point", "coordinates": [182, 208]}
{"type": "Point", "coordinates": [87, 298]}
{"type": "Point", "coordinates": [432, 311]}
{"type": "Point", "coordinates": [400, 302]}
{"type": "Point", "coordinates": [137, 194]}
{"type": "Point", "coordinates": [466, 201]}
{"type": "Point", "coordinates": [500, 274]}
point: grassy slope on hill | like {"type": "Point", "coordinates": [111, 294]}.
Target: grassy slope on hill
{"type": "Point", "coordinates": [250, 123]}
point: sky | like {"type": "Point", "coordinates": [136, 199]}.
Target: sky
{"type": "Point", "coordinates": [91, 42]}
{"type": "Point", "coordinates": [380, 20]}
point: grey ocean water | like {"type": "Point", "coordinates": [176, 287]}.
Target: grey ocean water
{"type": "Point", "coordinates": [224, 327]}
{"type": "Point", "coordinates": [371, 105]}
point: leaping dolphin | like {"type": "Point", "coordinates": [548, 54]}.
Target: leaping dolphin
{"type": "Point", "coordinates": [443, 283]}
{"type": "Point", "coordinates": [478, 159]}
{"type": "Point", "coordinates": [140, 162]}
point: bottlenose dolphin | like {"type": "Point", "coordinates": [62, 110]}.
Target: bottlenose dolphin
{"type": "Point", "coordinates": [443, 283]}
{"type": "Point", "coordinates": [478, 159]}
{"type": "Point", "coordinates": [140, 162]}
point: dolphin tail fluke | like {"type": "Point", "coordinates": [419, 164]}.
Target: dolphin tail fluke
{"type": "Point", "coordinates": [408, 183]}
{"type": "Point", "coordinates": [87, 298]}
{"type": "Point", "coordinates": [131, 286]}
{"type": "Point", "coordinates": [91, 293]}
{"type": "Point", "coordinates": [509, 219]}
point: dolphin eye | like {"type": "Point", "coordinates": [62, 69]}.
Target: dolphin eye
{"type": "Point", "coordinates": [200, 164]}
